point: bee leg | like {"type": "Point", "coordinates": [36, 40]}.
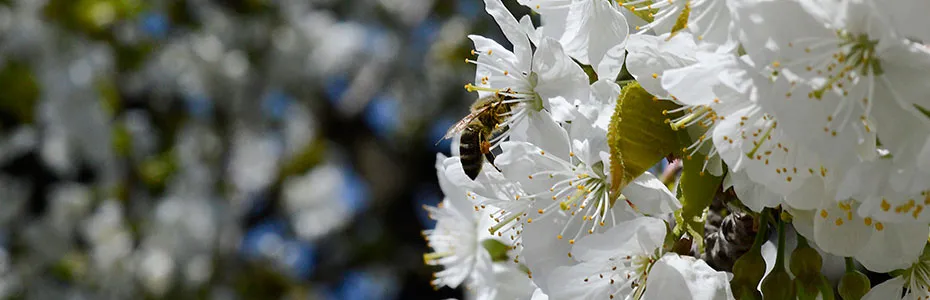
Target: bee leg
{"type": "Point", "coordinates": [486, 149]}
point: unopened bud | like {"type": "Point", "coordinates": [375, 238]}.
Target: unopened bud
{"type": "Point", "coordinates": [805, 264]}
{"type": "Point", "coordinates": [854, 285]}
{"type": "Point", "coordinates": [747, 272]}
{"type": "Point", "coordinates": [778, 286]}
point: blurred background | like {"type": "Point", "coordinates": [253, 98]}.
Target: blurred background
{"type": "Point", "coordinates": [226, 149]}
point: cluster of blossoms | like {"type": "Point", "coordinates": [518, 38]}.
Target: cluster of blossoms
{"type": "Point", "coordinates": [811, 115]}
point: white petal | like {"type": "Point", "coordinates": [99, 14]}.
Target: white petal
{"type": "Point", "coordinates": [512, 30]}
{"type": "Point", "coordinates": [694, 84]}
{"type": "Point", "coordinates": [809, 196]}
{"type": "Point", "coordinates": [553, 15]}
{"type": "Point", "coordinates": [548, 135]}
{"type": "Point", "coordinates": [903, 65]}
{"type": "Point", "coordinates": [568, 282]}
{"type": "Point", "coordinates": [539, 295]}
{"type": "Point", "coordinates": [767, 27]}
{"type": "Point", "coordinates": [890, 289]}
{"type": "Point", "coordinates": [897, 246]}
{"type": "Point", "coordinates": [803, 222]}
{"type": "Point", "coordinates": [907, 18]}
{"type": "Point", "coordinates": [491, 65]}
{"type": "Point", "coordinates": [612, 62]}
{"type": "Point", "coordinates": [519, 160]}
{"type": "Point", "coordinates": [558, 76]}
{"type": "Point", "coordinates": [755, 196]}
{"type": "Point", "coordinates": [923, 158]}
{"type": "Point", "coordinates": [840, 232]}
{"type": "Point", "coordinates": [641, 235]}
{"type": "Point", "coordinates": [593, 27]}
{"type": "Point", "coordinates": [684, 277]}
{"type": "Point", "coordinates": [650, 56]}
{"type": "Point", "coordinates": [543, 252]}
{"type": "Point", "coordinates": [651, 196]}
{"type": "Point", "coordinates": [601, 103]}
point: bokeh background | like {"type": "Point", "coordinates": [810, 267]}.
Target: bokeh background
{"type": "Point", "coordinates": [226, 149]}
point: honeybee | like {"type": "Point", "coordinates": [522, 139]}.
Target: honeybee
{"type": "Point", "coordinates": [477, 128]}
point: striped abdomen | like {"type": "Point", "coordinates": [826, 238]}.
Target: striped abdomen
{"type": "Point", "coordinates": [470, 153]}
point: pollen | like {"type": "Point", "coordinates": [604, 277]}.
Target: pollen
{"type": "Point", "coordinates": [885, 205]}
{"type": "Point", "coordinates": [867, 221]}
{"type": "Point", "coordinates": [839, 222]}
{"type": "Point", "coordinates": [540, 211]}
{"type": "Point", "coordinates": [572, 241]}
{"type": "Point", "coordinates": [823, 213]}
{"type": "Point", "coordinates": [879, 226]}
{"type": "Point", "coordinates": [655, 75]}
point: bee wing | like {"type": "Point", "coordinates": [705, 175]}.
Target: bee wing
{"type": "Point", "coordinates": [458, 127]}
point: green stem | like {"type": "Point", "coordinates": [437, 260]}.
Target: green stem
{"type": "Point", "coordinates": [850, 264]}
{"type": "Point", "coordinates": [780, 258]}
{"type": "Point", "coordinates": [763, 226]}
{"type": "Point", "coordinates": [826, 291]}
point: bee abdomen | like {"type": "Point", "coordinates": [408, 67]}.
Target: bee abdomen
{"type": "Point", "coordinates": [470, 152]}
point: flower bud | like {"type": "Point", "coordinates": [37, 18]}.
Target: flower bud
{"type": "Point", "coordinates": [854, 285]}
{"type": "Point", "coordinates": [778, 285]}
{"type": "Point", "coordinates": [805, 264]}
{"type": "Point", "coordinates": [747, 272]}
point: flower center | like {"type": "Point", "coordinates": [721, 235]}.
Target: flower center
{"type": "Point", "coordinates": [581, 193]}
{"type": "Point", "coordinates": [856, 54]}
{"type": "Point", "coordinates": [519, 86]}
{"type": "Point", "coordinates": [839, 64]}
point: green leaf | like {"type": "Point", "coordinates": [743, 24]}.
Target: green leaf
{"type": "Point", "coordinates": [638, 136]}
{"type": "Point", "coordinates": [697, 191]}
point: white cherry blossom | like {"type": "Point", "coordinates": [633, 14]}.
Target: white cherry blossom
{"type": "Point", "coordinates": [544, 79]}
{"type": "Point", "coordinates": [912, 284]}
{"type": "Point", "coordinates": [593, 32]}
{"type": "Point", "coordinates": [457, 238]}
{"type": "Point", "coordinates": [627, 262]}
{"type": "Point", "coordinates": [845, 74]}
